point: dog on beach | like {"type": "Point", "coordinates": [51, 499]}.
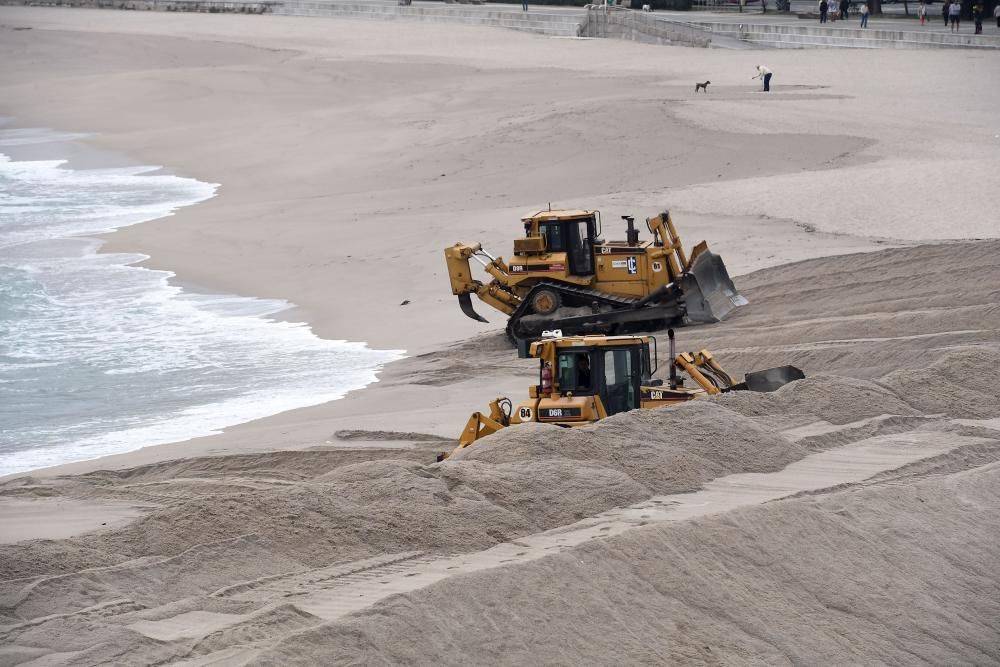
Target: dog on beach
{"type": "Point", "coordinates": [701, 86]}
{"type": "Point", "coordinates": [647, 8]}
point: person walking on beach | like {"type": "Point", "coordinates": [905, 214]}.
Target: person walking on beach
{"type": "Point", "coordinates": [955, 14]}
{"type": "Point", "coordinates": [824, 7]}
{"type": "Point", "coordinates": [864, 14]}
{"type": "Point", "coordinates": [977, 16]}
{"type": "Point", "coordinates": [764, 74]}
{"type": "Point", "coordinates": [922, 12]}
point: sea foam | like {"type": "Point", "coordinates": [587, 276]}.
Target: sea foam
{"type": "Point", "coordinates": [99, 356]}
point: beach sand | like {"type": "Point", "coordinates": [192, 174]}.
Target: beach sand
{"type": "Point", "coordinates": [349, 155]}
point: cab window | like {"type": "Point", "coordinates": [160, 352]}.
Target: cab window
{"type": "Point", "coordinates": [574, 373]}
{"type": "Point", "coordinates": [620, 383]}
{"type": "Point", "coordinates": [581, 254]}
{"type": "Point", "coordinates": [553, 233]}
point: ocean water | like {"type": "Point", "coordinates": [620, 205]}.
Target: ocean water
{"type": "Point", "coordinates": [99, 356]}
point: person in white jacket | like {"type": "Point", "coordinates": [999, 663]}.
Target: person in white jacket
{"type": "Point", "coordinates": [764, 74]}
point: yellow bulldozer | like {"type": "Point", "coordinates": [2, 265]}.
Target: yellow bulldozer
{"type": "Point", "coordinates": [583, 379]}
{"type": "Point", "coordinates": [564, 276]}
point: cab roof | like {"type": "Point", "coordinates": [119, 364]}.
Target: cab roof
{"type": "Point", "coordinates": [568, 214]}
{"type": "Point", "coordinates": [592, 341]}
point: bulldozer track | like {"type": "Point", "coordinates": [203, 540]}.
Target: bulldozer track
{"type": "Point", "coordinates": [589, 295]}
{"type": "Point", "coordinates": [623, 309]}
{"type": "Point", "coordinates": [295, 583]}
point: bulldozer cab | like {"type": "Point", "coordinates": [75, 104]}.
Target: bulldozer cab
{"type": "Point", "coordinates": [571, 232]}
{"type": "Point", "coordinates": [613, 372]}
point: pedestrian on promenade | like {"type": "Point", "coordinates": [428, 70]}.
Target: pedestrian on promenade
{"type": "Point", "coordinates": [955, 14]}
{"type": "Point", "coordinates": [977, 16]}
{"type": "Point", "coordinates": [922, 12]}
{"type": "Point", "coordinates": [524, 5]}
{"type": "Point", "coordinates": [845, 6]}
{"type": "Point", "coordinates": [764, 74]}
{"type": "Point", "coordinates": [824, 7]}
{"type": "Point", "coordinates": [864, 14]}
{"type": "Point", "coordinates": [996, 14]}
{"type": "Point", "coordinates": [944, 11]}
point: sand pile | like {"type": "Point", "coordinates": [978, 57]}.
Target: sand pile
{"type": "Point", "coordinates": [186, 490]}
{"type": "Point", "coordinates": [212, 532]}
{"type": "Point", "coordinates": [237, 518]}
{"type": "Point", "coordinates": [835, 399]}
{"type": "Point", "coordinates": [862, 315]}
{"type": "Point", "coordinates": [792, 582]}
{"type": "Point", "coordinates": [962, 384]}
{"type": "Point", "coordinates": [548, 492]}
{"type": "Point", "coordinates": [235, 523]}
{"type": "Point", "coordinates": [220, 522]}
{"type": "Point", "coordinates": [669, 450]}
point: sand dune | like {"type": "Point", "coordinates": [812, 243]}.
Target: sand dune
{"type": "Point", "coordinates": [795, 582]}
{"type": "Point", "coordinates": [254, 558]}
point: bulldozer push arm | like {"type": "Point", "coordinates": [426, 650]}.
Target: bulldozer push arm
{"type": "Point", "coordinates": [709, 292]}
{"type": "Point", "coordinates": [496, 293]}
{"type": "Point", "coordinates": [705, 371]}
{"type": "Point", "coordinates": [708, 374]}
{"type": "Point", "coordinates": [665, 235]}
{"type": "Point", "coordinates": [480, 425]}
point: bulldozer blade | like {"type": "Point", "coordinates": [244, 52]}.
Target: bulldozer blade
{"type": "Point", "coordinates": [772, 378]}
{"type": "Point", "coordinates": [465, 303]}
{"type": "Point", "coordinates": [709, 292]}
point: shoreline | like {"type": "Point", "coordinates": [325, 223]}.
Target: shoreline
{"type": "Point", "coordinates": [76, 153]}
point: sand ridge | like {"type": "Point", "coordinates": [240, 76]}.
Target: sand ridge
{"type": "Point", "coordinates": [247, 537]}
{"type": "Point", "coordinates": [334, 526]}
{"type": "Point", "coordinates": [795, 582]}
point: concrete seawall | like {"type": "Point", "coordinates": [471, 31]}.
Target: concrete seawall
{"type": "Point", "coordinates": [811, 36]}
{"type": "Point", "coordinates": [203, 6]}
{"type": "Point", "coordinates": [556, 22]}
{"type": "Point", "coordinates": [694, 29]}
{"type": "Point", "coordinates": [619, 23]}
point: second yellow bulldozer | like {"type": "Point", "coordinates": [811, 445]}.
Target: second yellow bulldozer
{"type": "Point", "coordinates": [583, 379]}
{"type": "Point", "coordinates": [564, 276]}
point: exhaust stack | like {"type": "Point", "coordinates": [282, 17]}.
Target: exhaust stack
{"type": "Point", "coordinates": [673, 355]}
{"type": "Point", "coordinates": [631, 234]}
